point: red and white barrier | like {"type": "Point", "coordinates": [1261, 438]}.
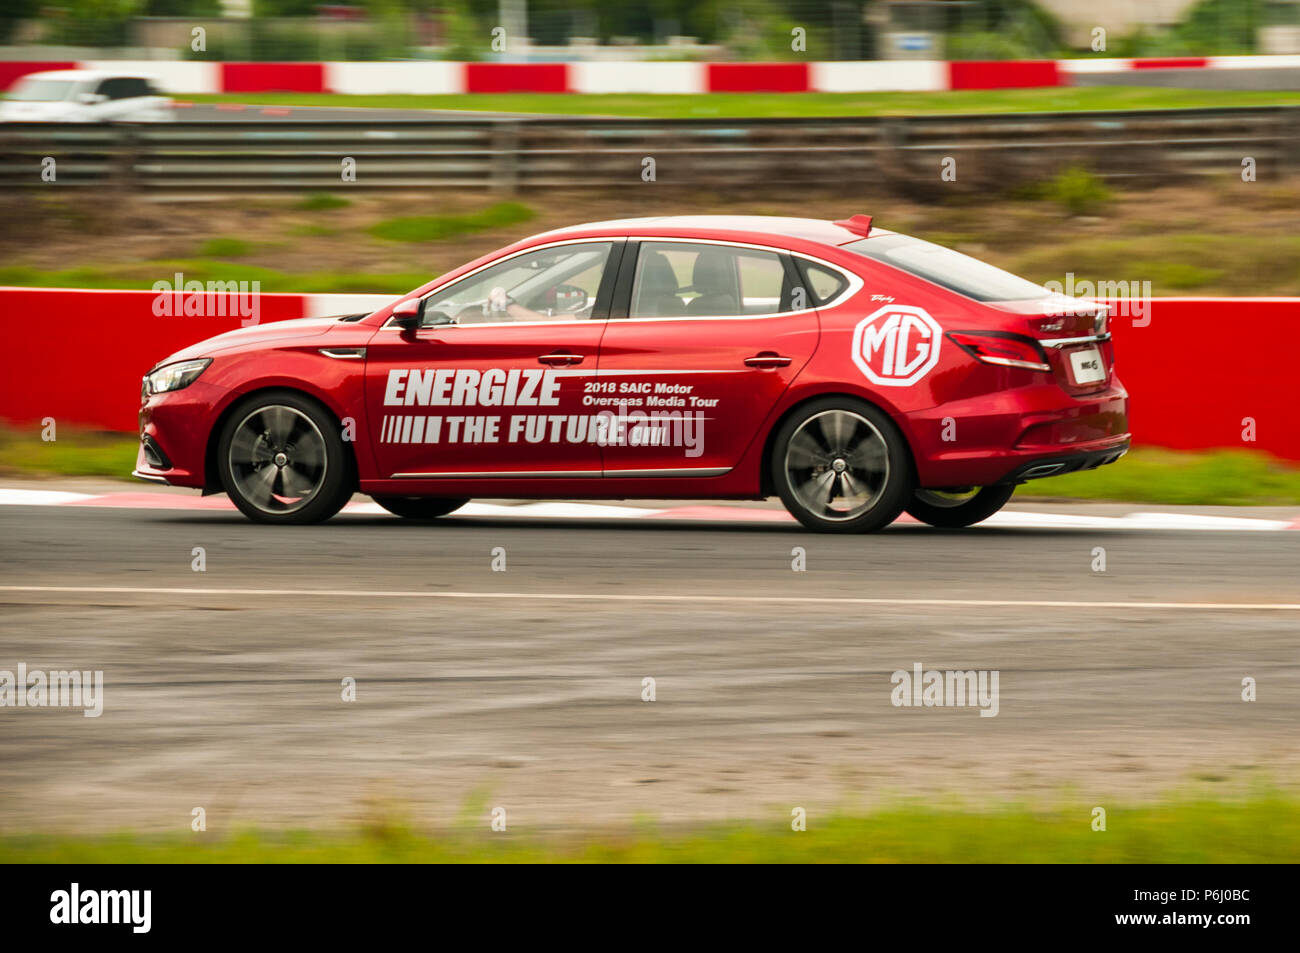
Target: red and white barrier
{"type": "Point", "coordinates": [78, 356]}
{"type": "Point", "coordinates": [439, 77]}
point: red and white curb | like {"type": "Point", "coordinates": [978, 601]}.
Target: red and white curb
{"type": "Point", "coordinates": [1007, 519]}
{"type": "Point", "coordinates": [445, 77]}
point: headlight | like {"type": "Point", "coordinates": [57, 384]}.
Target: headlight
{"type": "Point", "coordinates": [174, 376]}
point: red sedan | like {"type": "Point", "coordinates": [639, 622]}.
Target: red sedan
{"type": "Point", "coordinates": [852, 371]}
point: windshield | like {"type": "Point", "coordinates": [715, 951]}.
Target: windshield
{"type": "Point", "coordinates": [950, 269]}
{"type": "Point", "coordinates": [41, 90]}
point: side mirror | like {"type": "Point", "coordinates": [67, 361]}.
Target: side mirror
{"type": "Point", "coordinates": [90, 99]}
{"type": "Point", "coordinates": [409, 314]}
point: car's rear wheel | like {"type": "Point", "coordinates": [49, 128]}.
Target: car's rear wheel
{"type": "Point", "coordinates": [281, 459]}
{"type": "Point", "coordinates": [841, 466]}
{"type": "Point", "coordinates": [960, 506]}
{"type": "Point", "coordinates": [421, 507]}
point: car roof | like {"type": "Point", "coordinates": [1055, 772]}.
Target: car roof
{"type": "Point", "coordinates": [83, 75]}
{"type": "Point", "coordinates": [735, 227]}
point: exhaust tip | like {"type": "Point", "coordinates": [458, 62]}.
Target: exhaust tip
{"type": "Point", "coordinates": [1042, 470]}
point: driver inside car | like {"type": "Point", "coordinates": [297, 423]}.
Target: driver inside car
{"type": "Point", "coordinates": [560, 305]}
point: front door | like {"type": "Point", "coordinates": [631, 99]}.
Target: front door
{"type": "Point", "coordinates": [492, 382]}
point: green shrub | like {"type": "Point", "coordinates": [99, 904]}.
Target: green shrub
{"type": "Point", "coordinates": [1078, 190]}
{"type": "Point", "coordinates": [225, 248]}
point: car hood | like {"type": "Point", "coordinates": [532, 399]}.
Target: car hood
{"type": "Point", "coordinates": [273, 332]}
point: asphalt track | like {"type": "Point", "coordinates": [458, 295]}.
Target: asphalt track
{"type": "Point", "coordinates": [523, 688]}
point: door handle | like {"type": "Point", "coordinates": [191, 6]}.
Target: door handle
{"type": "Point", "coordinates": [768, 359]}
{"type": "Point", "coordinates": [560, 359]}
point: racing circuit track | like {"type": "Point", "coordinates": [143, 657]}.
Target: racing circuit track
{"type": "Point", "coordinates": [523, 688]}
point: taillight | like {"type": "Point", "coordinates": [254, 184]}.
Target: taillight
{"type": "Point", "coordinates": [1003, 348]}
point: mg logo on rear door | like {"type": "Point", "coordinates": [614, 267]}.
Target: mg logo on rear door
{"type": "Point", "coordinates": [897, 345]}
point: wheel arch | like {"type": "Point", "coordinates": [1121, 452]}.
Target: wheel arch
{"type": "Point", "coordinates": [769, 442]}
{"type": "Point", "coordinates": [211, 476]}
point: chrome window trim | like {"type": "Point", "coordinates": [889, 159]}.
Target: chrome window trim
{"type": "Point", "coordinates": [1063, 342]}
{"type": "Point", "coordinates": [565, 474]}
{"type": "Point", "coordinates": [855, 284]}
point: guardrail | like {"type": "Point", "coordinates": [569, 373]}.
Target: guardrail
{"type": "Point", "coordinates": [509, 155]}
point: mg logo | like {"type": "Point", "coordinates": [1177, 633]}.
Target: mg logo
{"type": "Point", "coordinates": [897, 345]}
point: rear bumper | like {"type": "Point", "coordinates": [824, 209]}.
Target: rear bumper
{"type": "Point", "coordinates": [1056, 464]}
{"type": "Point", "coordinates": [1018, 434]}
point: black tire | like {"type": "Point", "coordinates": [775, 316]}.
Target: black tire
{"type": "Point", "coordinates": [313, 474]}
{"type": "Point", "coordinates": [421, 507]}
{"type": "Point", "coordinates": [852, 453]}
{"type": "Point", "coordinates": [931, 506]}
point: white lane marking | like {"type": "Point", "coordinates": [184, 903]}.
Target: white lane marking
{"type": "Point", "coordinates": [656, 597]}
{"type": "Point", "coordinates": [1196, 521]}
{"type": "Point", "coordinates": [1007, 519]}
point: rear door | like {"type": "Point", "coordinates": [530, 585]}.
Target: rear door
{"type": "Point", "coordinates": [492, 384]}
{"type": "Point", "coordinates": [708, 342]}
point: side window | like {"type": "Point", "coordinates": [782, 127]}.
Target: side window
{"type": "Point", "coordinates": [133, 86]}
{"type": "Point", "coordinates": [111, 89]}
{"type": "Point", "coordinates": [550, 284]}
{"type": "Point", "coordinates": [687, 279]}
{"type": "Point", "coordinates": [824, 284]}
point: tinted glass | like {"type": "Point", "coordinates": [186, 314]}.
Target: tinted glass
{"type": "Point", "coordinates": [951, 269]}
{"type": "Point", "coordinates": [687, 279]}
{"type": "Point", "coordinates": [825, 283]}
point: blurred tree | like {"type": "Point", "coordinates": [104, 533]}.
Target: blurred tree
{"type": "Point", "coordinates": [12, 12]}
{"type": "Point", "coordinates": [89, 22]}
{"type": "Point", "coordinates": [181, 8]}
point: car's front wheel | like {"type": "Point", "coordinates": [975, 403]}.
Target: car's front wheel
{"type": "Point", "coordinates": [955, 508]}
{"type": "Point", "coordinates": [281, 459]}
{"type": "Point", "coordinates": [841, 466]}
{"type": "Point", "coordinates": [421, 507]}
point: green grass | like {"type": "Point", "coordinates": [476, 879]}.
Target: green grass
{"type": "Point", "coordinates": [1260, 829]}
{"type": "Point", "coordinates": [741, 105]}
{"type": "Point", "coordinates": [322, 202]}
{"type": "Point", "coordinates": [1247, 265]}
{"type": "Point", "coordinates": [74, 453]}
{"type": "Point", "coordinates": [1150, 475]}
{"type": "Point", "coordinates": [225, 248]}
{"type": "Point", "coordinates": [430, 228]}
{"type": "Point", "coordinates": [143, 274]}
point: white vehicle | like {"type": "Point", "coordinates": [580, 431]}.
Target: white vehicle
{"type": "Point", "coordinates": [75, 95]}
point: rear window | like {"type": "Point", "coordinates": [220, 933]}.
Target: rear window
{"type": "Point", "coordinates": [950, 269]}
{"type": "Point", "coordinates": [41, 90]}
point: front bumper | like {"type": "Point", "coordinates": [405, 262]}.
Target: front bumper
{"type": "Point", "coordinates": [174, 428]}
